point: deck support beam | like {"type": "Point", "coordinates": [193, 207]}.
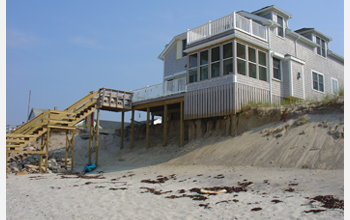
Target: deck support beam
{"type": "Point", "coordinates": [122, 132]}
{"type": "Point", "coordinates": [165, 125]}
{"type": "Point", "coordinates": [147, 128]}
{"type": "Point", "coordinates": [132, 129]}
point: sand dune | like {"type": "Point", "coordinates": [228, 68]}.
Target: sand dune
{"type": "Point", "coordinates": [289, 164]}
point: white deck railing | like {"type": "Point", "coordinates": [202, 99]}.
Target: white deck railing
{"type": "Point", "coordinates": [228, 22]}
{"type": "Point", "coordinates": [163, 89]}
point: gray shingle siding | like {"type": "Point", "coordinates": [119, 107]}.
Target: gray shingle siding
{"type": "Point", "coordinates": [173, 65]}
{"type": "Point", "coordinates": [297, 82]}
{"type": "Point", "coordinates": [327, 66]}
{"type": "Point", "coordinates": [252, 82]}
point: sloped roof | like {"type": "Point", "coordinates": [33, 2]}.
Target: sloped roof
{"type": "Point", "coordinates": [275, 9]}
{"type": "Point", "coordinates": [35, 112]}
{"type": "Point", "coordinates": [303, 31]}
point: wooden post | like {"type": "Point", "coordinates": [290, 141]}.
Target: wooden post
{"type": "Point", "coordinates": [181, 124]}
{"type": "Point", "coordinates": [97, 130]}
{"type": "Point", "coordinates": [122, 132]}
{"type": "Point", "coordinates": [91, 135]}
{"type": "Point", "coordinates": [47, 149]}
{"type": "Point", "coordinates": [132, 129]}
{"type": "Point", "coordinates": [66, 155]}
{"type": "Point", "coordinates": [147, 129]}
{"type": "Point", "coordinates": [41, 155]}
{"type": "Point", "coordinates": [165, 125]}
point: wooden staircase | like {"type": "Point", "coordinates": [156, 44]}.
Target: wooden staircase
{"type": "Point", "coordinates": [66, 120]}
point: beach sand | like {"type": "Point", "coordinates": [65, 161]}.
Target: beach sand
{"type": "Point", "coordinates": [285, 173]}
{"type": "Point", "coordinates": [120, 196]}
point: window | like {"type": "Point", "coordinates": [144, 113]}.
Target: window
{"type": "Point", "coordinates": [280, 29]}
{"type": "Point", "coordinates": [241, 69]}
{"type": "Point", "coordinates": [184, 43]}
{"type": "Point", "coordinates": [321, 48]}
{"type": "Point", "coordinates": [193, 63]}
{"type": "Point", "coordinates": [277, 69]}
{"type": "Point", "coordinates": [204, 65]}
{"type": "Point", "coordinates": [262, 66]}
{"type": "Point", "coordinates": [228, 59]}
{"type": "Point", "coordinates": [334, 86]}
{"type": "Point", "coordinates": [317, 81]}
{"type": "Point", "coordinates": [215, 62]}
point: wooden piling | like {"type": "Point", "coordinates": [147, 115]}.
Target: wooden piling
{"type": "Point", "coordinates": [132, 129]}
{"type": "Point", "coordinates": [181, 124]}
{"type": "Point", "coordinates": [122, 132]}
{"type": "Point", "coordinates": [165, 125]}
{"type": "Point", "coordinates": [147, 128]}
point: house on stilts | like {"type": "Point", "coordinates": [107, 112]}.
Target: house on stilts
{"type": "Point", "coordinates": [212, 70]}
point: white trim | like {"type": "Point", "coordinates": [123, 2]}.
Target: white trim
{"type": "Point", "coordinates": [290, 77]}
{"type": "Point", "coordinates": [290, 57]}
{"type": "Point", "coordinates": [312, 82]}
{"type": "Point", "coordinates": [277, 55]}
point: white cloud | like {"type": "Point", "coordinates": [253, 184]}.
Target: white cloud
{"type": "Point", "coordinates": [19, 39]}
{"type": "Point", "coordinates": [86, 42]}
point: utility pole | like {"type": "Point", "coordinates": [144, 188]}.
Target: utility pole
{"type": "Point", "coordinates": [30, 91]}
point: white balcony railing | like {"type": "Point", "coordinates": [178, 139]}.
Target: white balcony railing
{"type": "Point", "coordinates": [228, 22]}
{"type": "Point", "coordinates": [163, 89]}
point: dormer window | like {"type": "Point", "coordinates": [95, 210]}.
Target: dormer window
{"type": "Point", "coordinates": [321, 48]}
{"type": "Point", "coordinates": [280, 29]}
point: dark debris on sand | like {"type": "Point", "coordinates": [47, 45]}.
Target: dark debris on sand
{"type": "Point", "coordinates": [330, 202]}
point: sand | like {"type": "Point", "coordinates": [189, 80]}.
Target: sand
{"type": "Point", "coordinates": [291, 168]}
{"type": "Point", "coordinates": [49, 196]}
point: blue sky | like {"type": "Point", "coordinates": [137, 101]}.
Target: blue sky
{"type": "Point", "coordinates": [61, 50]}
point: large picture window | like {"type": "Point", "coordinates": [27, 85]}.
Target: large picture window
{"type": "Point", "coordinates": [193, 65]}
{"type": "Point", "coordinates": [262, 66]}
{"type": "Point", "coordinates": [215, 62]}
{"type": "Point", "coordinates": [252, 62]}
{"type": "Point", "coordinates": [241, 59]}
{"type": "Point", "coordinates": [317, 81]}
{"type": "Point", "coordinates": [228, 59]}
{"type": "Point", "coordinates": [204, 65]}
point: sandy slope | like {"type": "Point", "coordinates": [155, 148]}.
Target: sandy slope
{"type": "Point", "coordinates": [271, 156]}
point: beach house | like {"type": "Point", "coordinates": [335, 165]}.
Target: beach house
{"type": "Point", "coordinates": [210, 71]}
{"type": "Point", "coordinates": [246, 57]}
